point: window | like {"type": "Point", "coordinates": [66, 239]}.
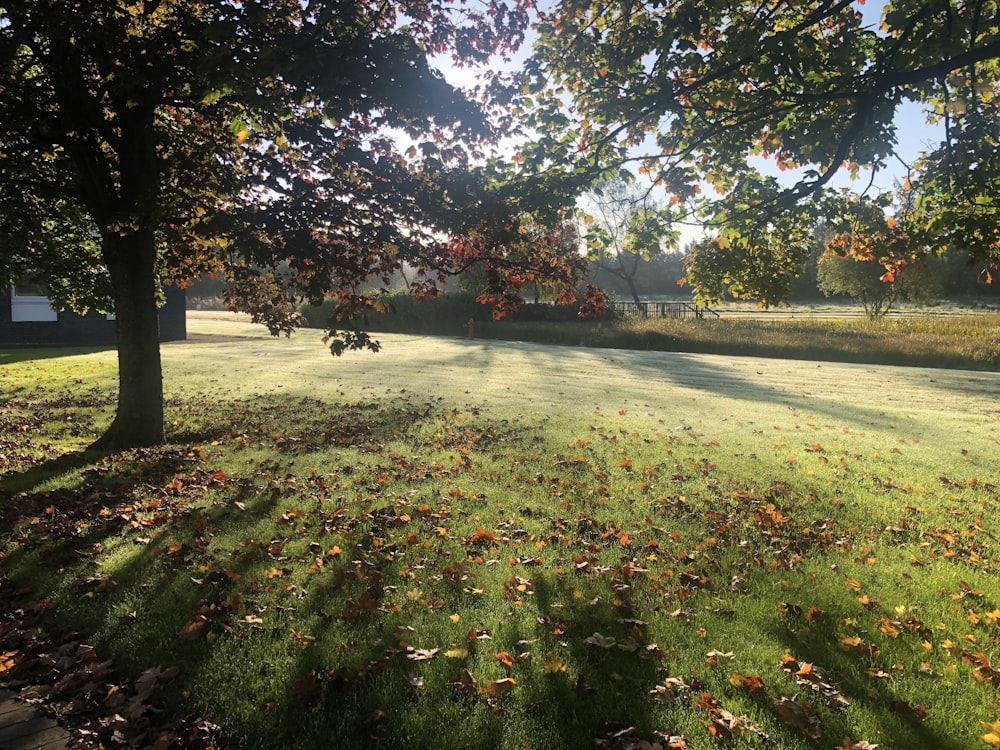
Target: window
{"type": "Point", "coordinates": [28, 301]}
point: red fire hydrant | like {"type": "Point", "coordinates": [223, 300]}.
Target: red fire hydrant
{"type": "Point", "coordinates": [470, 328]}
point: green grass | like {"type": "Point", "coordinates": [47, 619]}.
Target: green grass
{"type": "Point", "coordinates": [608, 518]}
{"type": "Point", "coordinates": [920, 337]}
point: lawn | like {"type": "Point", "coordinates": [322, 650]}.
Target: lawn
{"type": "Point", "coordinates": [482, 544]}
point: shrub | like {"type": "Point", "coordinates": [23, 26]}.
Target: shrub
{"type": "Point", "coordinates": [444, 315]}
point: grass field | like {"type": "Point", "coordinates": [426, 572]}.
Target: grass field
{"type": "Point", "coordinates": [948, 336]}
{"type": "Point", "coordinates": [477, 544]}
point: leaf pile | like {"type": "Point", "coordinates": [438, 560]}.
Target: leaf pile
{"type": "Point", "coordinates": [66, 677]}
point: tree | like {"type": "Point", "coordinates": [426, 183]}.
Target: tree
{"type": "Point", "coordinates": [865, 282]}
{"type": "Point", "coordinates": [624, 226]}
{"type": "Point", "coordinates": [877, 258]}
{"type": "Point", "coordinates": [755, 260]}
{"type": "Point", "coordinates": [726, 94]}
{"type": "Point", "coordinates": [185, 137]}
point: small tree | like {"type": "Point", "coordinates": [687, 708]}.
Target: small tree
{"type": "Point", "coordinates": [878, 258]}
{"type": "Point", "coordinates": [864, 280]}
{"type": "Point", "coordinates": [624, 226]}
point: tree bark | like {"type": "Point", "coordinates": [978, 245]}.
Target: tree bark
{"type": "Point", "coordinates": [138, 421]}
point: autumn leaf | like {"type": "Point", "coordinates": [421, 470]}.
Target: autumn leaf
{"type": "Point", "coordinates": [499, 687]}
{"type": "Point", "coordinates": [789, 609]}
{"type": "Point", "coordinates": [719, 658]}
{"type": "Point", "coordinates": [851, 745]}
{"type": "Point", "coordinates": [192, 629]}
{"type": "Point", "coordinates": [855, 645]}
{"type": "Point", "coordinates": [600, 641]}
{"type": "Point", "coordinates": [992, 736]}
{"type": "Point", "coordinates": [553, 664]}
{"type": "Point", "coordinates": [465, 682]}
{"type": "Point", "coordinates": [7, 660]}
{"type": "Point", "coordinates": [751, 684]}
{"type": "Point", "coordinates": [799, 715]}
{"type": "Point", "coordinates": [421, 654]}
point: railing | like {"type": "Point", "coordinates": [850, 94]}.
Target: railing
{"type": "Point", "coordinates": [663, 310]}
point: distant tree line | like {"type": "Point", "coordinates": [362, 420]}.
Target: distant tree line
{"type": "Point", "coordinates": [938, 277]}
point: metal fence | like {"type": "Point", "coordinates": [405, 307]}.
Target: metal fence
{"type": "Point", "coordinates": [663, 310]}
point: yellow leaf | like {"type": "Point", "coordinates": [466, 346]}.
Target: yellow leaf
{"type": "Point", "coordinates": [992, 736]}
{"type": "Point", "coordinates": [456, 653]}
{"type": "Point", "coordinates": [553, 664]}
{"type": "Point", "coordinates": [455, 617]}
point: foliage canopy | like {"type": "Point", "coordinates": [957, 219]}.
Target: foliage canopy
{"type": "Point", "coordinates": [717, 100]}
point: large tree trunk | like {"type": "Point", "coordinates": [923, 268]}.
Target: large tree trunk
{"type": "Point", "coordinates": [139, 420]}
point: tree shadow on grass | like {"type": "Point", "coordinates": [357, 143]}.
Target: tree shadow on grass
{"type": "Point", "coordinates": [27, 479]}
{"type": "Point", "coordinates": [292, 600]}
{"type": "Point", "coordinates": [12, 354]}
{"type": "Point", "coordinates": [864, 679]}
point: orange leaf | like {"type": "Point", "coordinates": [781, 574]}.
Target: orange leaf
{"type": "Point", "coordinates": [7, 660]}
{"type": "Point", "coordinates": [500, 687]}
{"type": "Point", "coordinates": [751, 683]}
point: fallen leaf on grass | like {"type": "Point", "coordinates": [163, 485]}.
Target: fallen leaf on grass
{"type": "Point", "coordinates": [789, 609]}
{"type": "Point", "coordinates": [499, 687]}
{"type": "Point", "coordinates": [553, 664]}
{"type": "Point", "coordinates": [854, 645]}
{"type": "Point", "coordinates": [751, 683]}
{"type": "Point", "coordinates": [192, 629]}
{"type": "Point", "coordinates": [813, 677]}
{"type": "Point", "coordinates": [719, 658]}
{"type": "Point", "coordinates": [723, 724]}
{"type": "Point", "coordinates": [465, 682]}
{"type": "Point", "coordinates": [600, 641]}
{"type": "Point", "coordinates": [799, 715]}
{"type": "Point", "coordinates": [851, 745]}
{"type": "Point", "coordinates": [421, 654]}
{"type": "Point", "coordinates": [7, 660]}
{"type": "Point", "coordinates": [992, 736]}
